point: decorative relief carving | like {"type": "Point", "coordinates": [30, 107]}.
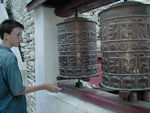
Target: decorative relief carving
{"type": "Point", "coordinates": [77, 47]}
{"type": "Point", "coordinates": [76, 60]}
{"type": "Point", "coordinates": [135, 28]}
{"type": "Point", "coordinates": [126, 82]}
{"type": "Point", "coordinates": [129, 65]}
{"type": "Point", "coordinates": [73, 37]}
{"type": "Point", "coordinates": [126, 65]}
{"type": "Point", "coordinates": [123, 46]}
{"type": "Point", "coordinates": [143, 81]}
{"type": "Point", "coordinates": [131, 45]}
{"type": "Point", "coordinates": [115, 81]}
{"type": "Point", "coordinates": [77, 72]}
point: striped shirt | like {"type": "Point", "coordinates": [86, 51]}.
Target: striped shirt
{"type": "Point", "coordinates": [10, 83]}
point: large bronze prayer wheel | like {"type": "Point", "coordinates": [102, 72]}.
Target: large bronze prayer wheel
{"type": "Point", "coordinates": [125, 36]}
{"type": "Point", "coordinates": [77, 48]}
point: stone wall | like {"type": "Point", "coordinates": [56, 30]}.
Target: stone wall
{"type": "Point", "coordinates": [19, 13]}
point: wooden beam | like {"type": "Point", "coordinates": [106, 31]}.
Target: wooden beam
{"type": "Point", "coordinates": [81, 5]}
{"type": "Point", "coordinates": [34, 3]}
{"type": "Point", "coordinates": [68, 9]}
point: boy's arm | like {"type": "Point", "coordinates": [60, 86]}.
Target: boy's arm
{"type": "Point", "coordinates": [47, 86]}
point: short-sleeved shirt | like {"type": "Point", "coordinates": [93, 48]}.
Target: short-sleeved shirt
{"type": "Point", "coordinates": [10, 83]}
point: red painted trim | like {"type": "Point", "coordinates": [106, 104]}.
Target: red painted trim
{"type": "Point", "coordinates": [96, 80]}
{"type": "Point", "coordinates": [94, 96]}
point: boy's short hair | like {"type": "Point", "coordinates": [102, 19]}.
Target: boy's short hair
{"type": "Point", "coordinates": [7, 26]}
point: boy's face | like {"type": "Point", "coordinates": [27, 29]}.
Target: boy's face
{"type": "Point", "coordinates": [15, 37]}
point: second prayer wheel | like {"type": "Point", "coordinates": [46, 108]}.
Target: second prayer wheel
{"type": "Point", "coordinates": [125, 36]}
{"type": "Point", "coordinates": [77, 48]}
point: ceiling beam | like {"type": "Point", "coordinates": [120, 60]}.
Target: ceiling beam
{"type": "Point", "coordinates": [34, 3]}
{"type": "Point", "coordinates": [81, 5]}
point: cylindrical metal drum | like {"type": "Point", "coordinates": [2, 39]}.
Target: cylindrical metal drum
{"type": "Point", "coordinates": [77, 48]}
{"type": "Point", "coordinates": [125, 36]}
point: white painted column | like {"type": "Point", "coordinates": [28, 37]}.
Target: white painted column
{"type": "Point", "coordinates": [46, 48]}
{"type": "Point", "coordinates": [46, 51]}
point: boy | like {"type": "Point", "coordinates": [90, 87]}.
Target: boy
{"type": "Point", "coordinates": [12, 98]}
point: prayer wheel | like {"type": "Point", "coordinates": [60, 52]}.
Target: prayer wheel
{"type": "Point", "coordinates": [125, 37]}
{"type": "Point", "coordinates": [77, 48]}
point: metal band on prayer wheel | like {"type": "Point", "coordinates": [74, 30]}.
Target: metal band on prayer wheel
{"type": "Point", "coordinates": [125, 36]}
{"type": "Point", "coordinates": [77, 48]}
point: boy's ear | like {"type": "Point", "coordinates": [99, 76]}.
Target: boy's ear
{"type": "Point", "coordinates": [5, 36]}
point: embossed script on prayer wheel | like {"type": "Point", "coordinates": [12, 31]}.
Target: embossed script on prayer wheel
{"type": "Point", "coordinates": [125, 36]}
{"type": "Point", "coordinates": [77, 48]}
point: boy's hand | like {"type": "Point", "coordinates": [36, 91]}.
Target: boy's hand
{"type": "Point", "coordinates": [52, 88]}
